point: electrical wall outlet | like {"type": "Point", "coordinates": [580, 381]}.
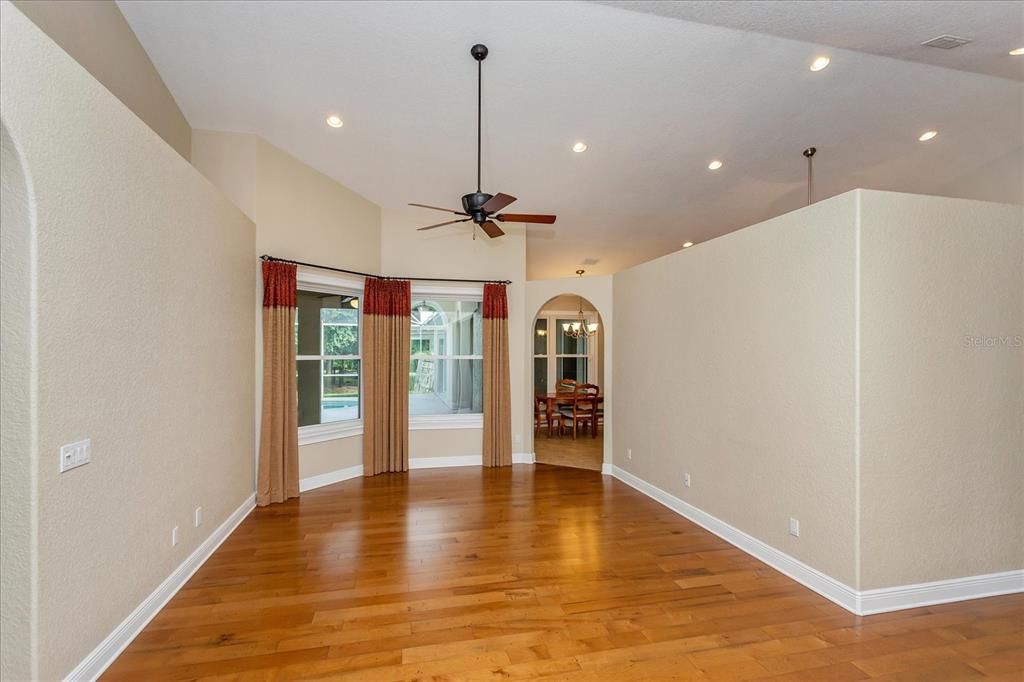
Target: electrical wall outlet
{"type": "Point", "coordinates": [75, 454]}
{"type": "Point", "coordinates": [629, 453]}
{"type": "Point", "coordinates": [199, 516]}
{"type": "Point", "coordinates": [794, 527]}
{"type": "Point", "coordinates": [686, 479]}
{"type": "Point", "coordinates": [174, 536]}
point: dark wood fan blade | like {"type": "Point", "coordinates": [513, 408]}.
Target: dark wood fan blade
{"type": "Point", "coordinates": [498, 202]}
{"type": "Point", "coordinates": [526, 218]}
{"type": "Point", "coordinates": [450, 222]}
{"type": "Point", "coordinates": [491, 229]}
{"type": "Point", "coordinates": [438, 208]}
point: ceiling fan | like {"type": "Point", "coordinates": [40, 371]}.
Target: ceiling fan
{"type": "Point", "coordinates": [480, 207]}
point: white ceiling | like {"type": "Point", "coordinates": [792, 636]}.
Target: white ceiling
{"type": "Point", "coordinates": [655, 98]}
{"type": "Point", "coordinates": [892, 28]}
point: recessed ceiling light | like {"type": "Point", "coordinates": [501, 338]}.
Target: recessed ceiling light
{"type": "Point", "coordinates": [579, 147]}
{"type": "Point", "coordinates": [927, 135]}
{"type": "Point", "coordinates": [820, 63]}
{"type": "Point", "coordinates": [335, 121]}
{"type": "Point", "coordinates": [687, 245]}
{"type": "Point", "coordinates": [715, 165]}
{"type": "Point", "coordinates": [1017, 52]}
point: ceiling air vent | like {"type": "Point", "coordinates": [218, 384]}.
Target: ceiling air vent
{"type": "Point", "coordinates": [946, 42]}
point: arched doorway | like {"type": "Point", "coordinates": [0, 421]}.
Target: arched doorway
{"type": "Point", "coordinates": [567, 369]}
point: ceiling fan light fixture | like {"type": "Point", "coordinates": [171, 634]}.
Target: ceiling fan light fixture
{"type": "Point", "coordinates": [579, 147]}
{"type": "Point", "coordinates": [820, 63]}
{"type": "Point", "coordinates": [335, 121]}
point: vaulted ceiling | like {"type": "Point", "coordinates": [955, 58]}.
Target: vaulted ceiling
{"type": "Point", "coordinates": [656, 98]}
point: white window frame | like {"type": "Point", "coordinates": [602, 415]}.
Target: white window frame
{"type": "Point", "coordinates": [552, 317]}
{"type": "Point", "coordinates": [431, 422]}
{"type": "Point", "coordinates": [308, 280]}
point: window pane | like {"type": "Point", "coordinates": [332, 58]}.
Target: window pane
{"type": "Point", "coordinates": [572, 368]}
{"type": "Point", "coordinates": [340, 390]}
{"type": "Point", "coordinates": [566, 345]}
{"type": "Point", "coordinates": [540, 375]}
{"type": "Point", "coordinates": [442, 386]}
{"type": "Point", "coordinates": [340, 340]}
{"type": "Point", "coordinates": [540, 337]}
{"type": "Point", "coordinates": [327, 324]}
{"type": "Point", "coordinates": [447, 327]}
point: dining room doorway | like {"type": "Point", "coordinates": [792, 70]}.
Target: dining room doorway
{"type": "Point", "coordinates": [568, 380]}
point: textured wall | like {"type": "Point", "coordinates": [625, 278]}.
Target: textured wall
{"type": "Point", "coordinates": [95, 33]}
{"type": "Point", "coordinates": [301, 214]}
{"type": "Point", "coordinates": [145, 308]}
{"type": "Point", "coordinates": [942, 397]}
{"type": "Point", "coordinates": [735, 362]}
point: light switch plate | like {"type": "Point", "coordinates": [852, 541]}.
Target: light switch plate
{"type": "Point", "coordinates": [75, 454]}
{"type": "Point", "coordinates": [794, 527]}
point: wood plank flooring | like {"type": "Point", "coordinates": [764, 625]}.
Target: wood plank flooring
{"type": "Point", "coordinates": [583, 453]}
{"type": "Point", "coordinates": [530, 572]}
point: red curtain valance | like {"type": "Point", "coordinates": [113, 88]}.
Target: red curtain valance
{"type": "Point", "coordinates": [387, 297]}
{"type": "Point", "coordinates": [495, 301]}
{"type": "Point", "coordinates": [278, 284]}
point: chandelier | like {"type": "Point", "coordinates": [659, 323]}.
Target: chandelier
{"type": "Point", "coordinates": [580, 327]}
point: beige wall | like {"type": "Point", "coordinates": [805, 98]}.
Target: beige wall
{"type": "Point", "coordinates": [597, 291]}
{"type": "Point", "coordinates": [144, 304]}
{"type": "Point", "coordinates": [746, 380]}
{"type": "Point", "coordinates": [942, 419]}
{"type": "Point", "coordinates": [300, 214]}
{"type": "Point", "coordinates": [819, 365]}
{"type": "Point", "coordinates": [18, 605]}
{"type": "Point", "coordinates": [451, 252]}
{"type": "Point", "coordinates": [95, 33]}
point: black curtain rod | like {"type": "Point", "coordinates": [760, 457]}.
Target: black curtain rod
{"type": "Point", "coordinates": [265, 257]}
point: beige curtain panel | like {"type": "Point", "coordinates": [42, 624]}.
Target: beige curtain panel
{"type": "Point", "coordinates": [497, 384]}
{"type": "Point", "coordinates": [278, 465]}
{"type": "Point", "coordinates": [386, 329]}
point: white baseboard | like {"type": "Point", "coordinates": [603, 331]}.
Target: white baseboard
{"type": "Point", "coordinates": [939, 592]}
{"type": "Point", "coordinates": [331, 477]}
{"type": "Point", "coordinates": [859, 602]}
{"type": "Point", "coordinates": [524, 458]}
{"type": "Point", "coordinates": [441, 462]}
{"type": "Point", "coordinates": [93, 665]}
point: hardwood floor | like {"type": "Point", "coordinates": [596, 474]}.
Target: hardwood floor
{"type": "Point", "coordinates": [530, 572]}
{"type": "Point", "coordinates": [583, 453]}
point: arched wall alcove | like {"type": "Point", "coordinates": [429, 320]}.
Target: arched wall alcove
{"type": "Point", "coordinates": [17, 457]}
{"type": "Point", "coordinates": [596, 293]}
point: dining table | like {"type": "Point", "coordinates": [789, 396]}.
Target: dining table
{"type": "Point", "coordinates": [553, 400]}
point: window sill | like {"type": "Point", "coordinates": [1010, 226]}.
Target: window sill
{"type": "Point", "coordinates": [319, 433]}
{"type": "Point", "coordinates": [433, 422]}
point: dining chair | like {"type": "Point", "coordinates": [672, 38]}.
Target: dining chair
{"type": "Point", "coordinates": [583, 411]}
{"type": "Point", "coordinates": [540, 415]}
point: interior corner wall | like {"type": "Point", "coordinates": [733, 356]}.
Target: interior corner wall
{"type": "Point", "coordinates": [96, 34]}
{"type": "Point", "coordinates": [598, 291]}
{"type": "Point", "coordinates": [942, 388]}
{"type": "Point", "coordinates": [300, 214]}
{"type": "Point", "coordinates": [735, 364]}
{"type": "Point", "coordinates": [452, 252]}
{"type": "Point", "coordinates": [144, 307]}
